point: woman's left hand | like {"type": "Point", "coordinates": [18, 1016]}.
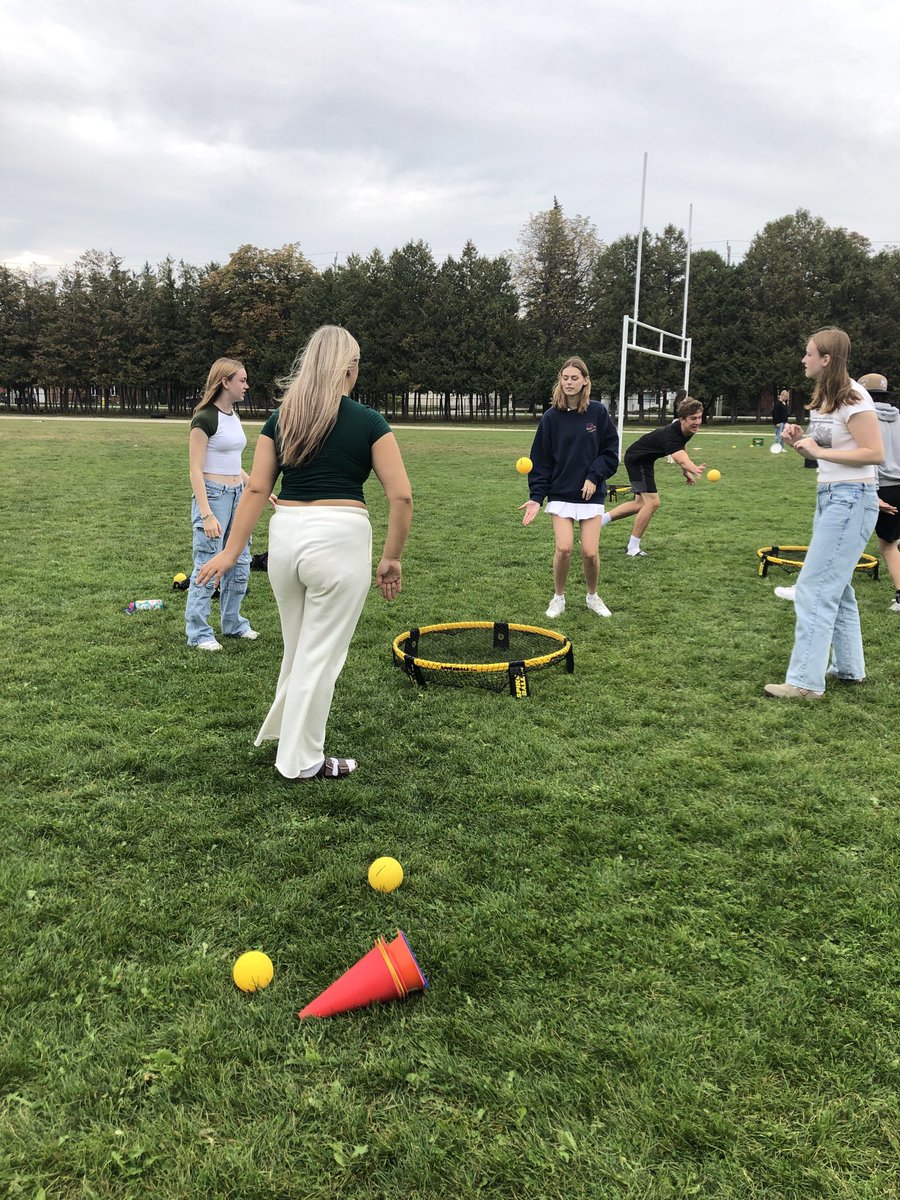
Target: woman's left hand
{"type": "Point", "coordinates": [215, 568]}
{"type": "Point", "coordinates": [272, 501]}
{"type": "Point", "coordinates": [588, 489]}
{"type": "Point", "coordinates": [808, 447]}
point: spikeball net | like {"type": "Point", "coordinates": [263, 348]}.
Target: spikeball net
{"type": "Point", "coordinates": [493, 654]}
{"type": "Point", "coordinates": [792, 558]}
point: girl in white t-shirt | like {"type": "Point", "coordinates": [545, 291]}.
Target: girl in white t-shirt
{"type": "Point", "coordinates": [217, 475]}
{"type": "Point", "coordinates": [845, 439]}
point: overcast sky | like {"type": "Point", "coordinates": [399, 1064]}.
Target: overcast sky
{"type": "Point", "coordinates": [191, 127]}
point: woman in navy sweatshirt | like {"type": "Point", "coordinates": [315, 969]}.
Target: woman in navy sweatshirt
{"type": "Point", "coordinates": [575, 451]}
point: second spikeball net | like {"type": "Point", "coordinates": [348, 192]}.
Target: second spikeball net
{"type": "Point", "coordinates": [497, 654]}
{"type": "Point", "coordinates": [793, 557]}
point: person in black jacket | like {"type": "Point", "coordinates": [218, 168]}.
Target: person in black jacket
{"type": "Point", "coordinates": [640, 458]}
{"type": "Point", "coordinates": [575, 450]}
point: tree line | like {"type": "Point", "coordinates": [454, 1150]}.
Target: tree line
{"type": "Point", "coordinates": [471, 337]}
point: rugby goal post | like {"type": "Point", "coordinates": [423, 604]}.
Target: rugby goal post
{"type": "Point", "coordinates": [673, 346]}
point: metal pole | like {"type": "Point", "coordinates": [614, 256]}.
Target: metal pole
{"type": "Point", "coordinates": [640, 249]}
{"type": "Point", "coordinates": [622, 363]}
{"type": "Point", "coordinates": [687, 277]}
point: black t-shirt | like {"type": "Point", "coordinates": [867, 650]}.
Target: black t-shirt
{"type": "Point", "coordinates": [668, 439]}
{"type": "Point", "coordinates": [780, 412]}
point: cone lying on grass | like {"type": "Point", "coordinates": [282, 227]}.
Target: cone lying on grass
{"type": "Point", "coordinates": [388, 972]}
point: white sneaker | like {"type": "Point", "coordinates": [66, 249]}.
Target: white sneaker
{"type": "Point", "coordinates": [596, 605]}
{"type": "Point", "coordinates": [636, 553]}
{"type": "Point", "coordinates": [557, 607]}
{"type": "Point", "coordinates": [209, 644]}
{"type": "Point", "coordinates": [788, 593]}
{"type": "Point", "coordinates": [895, 607]}
{"type": "Point", "coordinates": [249, 635]}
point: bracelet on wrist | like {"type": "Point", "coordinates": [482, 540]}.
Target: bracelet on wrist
{"type": "Point", "coordinates": [206, 516]}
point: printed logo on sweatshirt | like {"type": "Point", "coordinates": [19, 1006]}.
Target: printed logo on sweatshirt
{"type": "Point", "coordinates": [590, 427]}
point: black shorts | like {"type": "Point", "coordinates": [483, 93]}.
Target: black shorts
{"type": "Point", "coordinates": [640, 474]}
{"type": "Point", "coordinates": [887, 527]}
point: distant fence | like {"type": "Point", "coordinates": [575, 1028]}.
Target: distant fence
{"type": "Point", "coordinates": [418, 406]}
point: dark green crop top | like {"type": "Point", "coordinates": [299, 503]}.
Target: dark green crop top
{"type": "Point", "coordinates": [344, 460]}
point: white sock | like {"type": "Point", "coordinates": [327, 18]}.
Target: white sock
{"type": "Point", "coordinates": [634, 543]}
{"type": "Point", "coordinates": [590, 594]}
{"type": "Point", "coordinates": [557, 596]}
{"type": "Point", "coordinates": [605, 519]}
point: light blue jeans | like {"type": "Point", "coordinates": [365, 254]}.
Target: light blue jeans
{"type": "Point", "coordinates": [223, 502]}
{"type": "Point", "coordinates": [827, 618]}
{"type": "Point", "coordinates": [779, 433]}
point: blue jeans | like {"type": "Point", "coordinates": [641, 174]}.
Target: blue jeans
{"type": "Point", "coordinates": [779, 433]}
{"type": "Point", "coordinates": [827, 618]}
{"type": "Point", "coordinates": [223, 502]}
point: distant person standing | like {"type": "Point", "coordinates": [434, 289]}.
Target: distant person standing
{"type": "Point", "coordinates": [574, 452]}
{"type": "Point", "coordinates": [844, 436]}
{"type": "Point", "coordinates": [216, 444]}
{"type": "Point", "coordinates": [640, 458]}
{"type": "Point", "coordinates": [887, 527]}
{"type": "Point", "coordinates": [781, 411]}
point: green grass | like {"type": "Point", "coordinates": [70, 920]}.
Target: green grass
{"type": "Point", "coordinates": [658, 912]}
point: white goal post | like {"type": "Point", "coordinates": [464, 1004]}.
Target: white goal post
{"type": "Point", "coordinates": [674, 346]}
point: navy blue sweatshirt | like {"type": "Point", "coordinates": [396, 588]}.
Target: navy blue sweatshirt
{"type": "Point", "coordinates": [570, 447]}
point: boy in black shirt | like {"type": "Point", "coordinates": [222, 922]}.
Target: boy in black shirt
{"type": "Point", "coordinates": [639, 462]}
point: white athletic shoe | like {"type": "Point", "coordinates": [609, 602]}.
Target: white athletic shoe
{"type": "Point", "coordinates": [788, 593]}
{"type": "Point", "coordinates": [556, 608]}
{"type": "Point", "coordinates": [209, 644]}
{"type": "Point", "coordinates": [636, 553]}
{"type": "Point", "coordinates": [895, 607]}
{"type": "Point", "coordinates": [596, 605]}
{"type": "Point", "coordinates": [249, 635]}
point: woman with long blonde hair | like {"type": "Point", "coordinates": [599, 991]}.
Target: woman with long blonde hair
{"type": "Point", "coordinates": [845, 439]}
{"type": "Point", "coordinates": [216, 445]}
{"type": "Point", "coordinates": [324, 445]}
{"type": "Point", "coordinates": [574, 452]}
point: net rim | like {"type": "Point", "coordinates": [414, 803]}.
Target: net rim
{"type": "Point", "coordinates": [542, 660]}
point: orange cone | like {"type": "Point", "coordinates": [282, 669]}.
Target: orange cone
{"type": "Point", "coordinates": [388, 972]}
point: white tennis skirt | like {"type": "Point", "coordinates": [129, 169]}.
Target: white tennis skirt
{"type": "Point", "coordinates": [575, 512]}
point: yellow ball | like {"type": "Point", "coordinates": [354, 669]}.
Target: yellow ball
{"type": "Point", "coordinates": [253, 971]}
{"type": "Point", "coordinates": [179, 578]}
{"type": "Point", "coordinates": [385, 874]}
{"type": "Point", "coordinates": [524, 465]}
{"type": "Point", "coordinates": [713, 476]}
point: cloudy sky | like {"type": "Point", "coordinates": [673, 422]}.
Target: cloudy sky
{"type": "Point", "coordinates": [190, 127]}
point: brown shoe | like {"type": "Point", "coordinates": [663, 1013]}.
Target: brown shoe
{"type": "Point", "coordinates": [335, 768]}
{"type": "Point", "coordinates": [787, 691]}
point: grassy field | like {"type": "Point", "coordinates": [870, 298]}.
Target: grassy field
{"type": "Point", "coordinates": [658, 912]}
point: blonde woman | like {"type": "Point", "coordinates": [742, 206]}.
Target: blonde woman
{"type": "Point", "coordinates": [324, 445]}
{"type": "Point", "coordinates": [845, 439]}
{"type": "Point", "coordinates": [216, 444]}
{"type": "Point", "coordinates": [575, 450]}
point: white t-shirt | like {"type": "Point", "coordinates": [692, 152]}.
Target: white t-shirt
{"type": "Point", "coordinates": [223, 450]}
{"type": "Point", "coordinates": [832, 432]}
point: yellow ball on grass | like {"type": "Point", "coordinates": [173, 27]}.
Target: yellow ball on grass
{"type": "Point", "coordinates": [385, 874]}
{"type": "Point", "coordinates": [713, 476]}
{"type": "Point", "coordinates": [252, 971]}
{"type": "Point", "coordinates": [524, 465]}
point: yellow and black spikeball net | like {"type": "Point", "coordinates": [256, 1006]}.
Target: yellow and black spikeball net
{"type": "Point", "coordinates": [495, 654]}
{"type": "Point", "coordinates": [791, 558]}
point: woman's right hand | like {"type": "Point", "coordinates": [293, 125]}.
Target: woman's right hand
{"type": "Point", "coordinates": [792, 434]}
{"type": "Point", "coordinates": [215, 567]}
{"type": "Point", "coordinates": [532, 508]}
{"type": "Point", "coordinates": [211, 527]}
{"type": "Point", "coordinates": [389, 577]}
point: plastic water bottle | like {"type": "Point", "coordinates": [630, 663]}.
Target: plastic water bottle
{"type": "Point", "coordinates": [145, 606]}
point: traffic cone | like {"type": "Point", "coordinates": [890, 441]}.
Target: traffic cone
{"type": "Point", "coordinates": [388, 972]}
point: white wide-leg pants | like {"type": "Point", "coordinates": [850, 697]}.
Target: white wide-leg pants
{"type": "Point", "coordinates": [320, 569]}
